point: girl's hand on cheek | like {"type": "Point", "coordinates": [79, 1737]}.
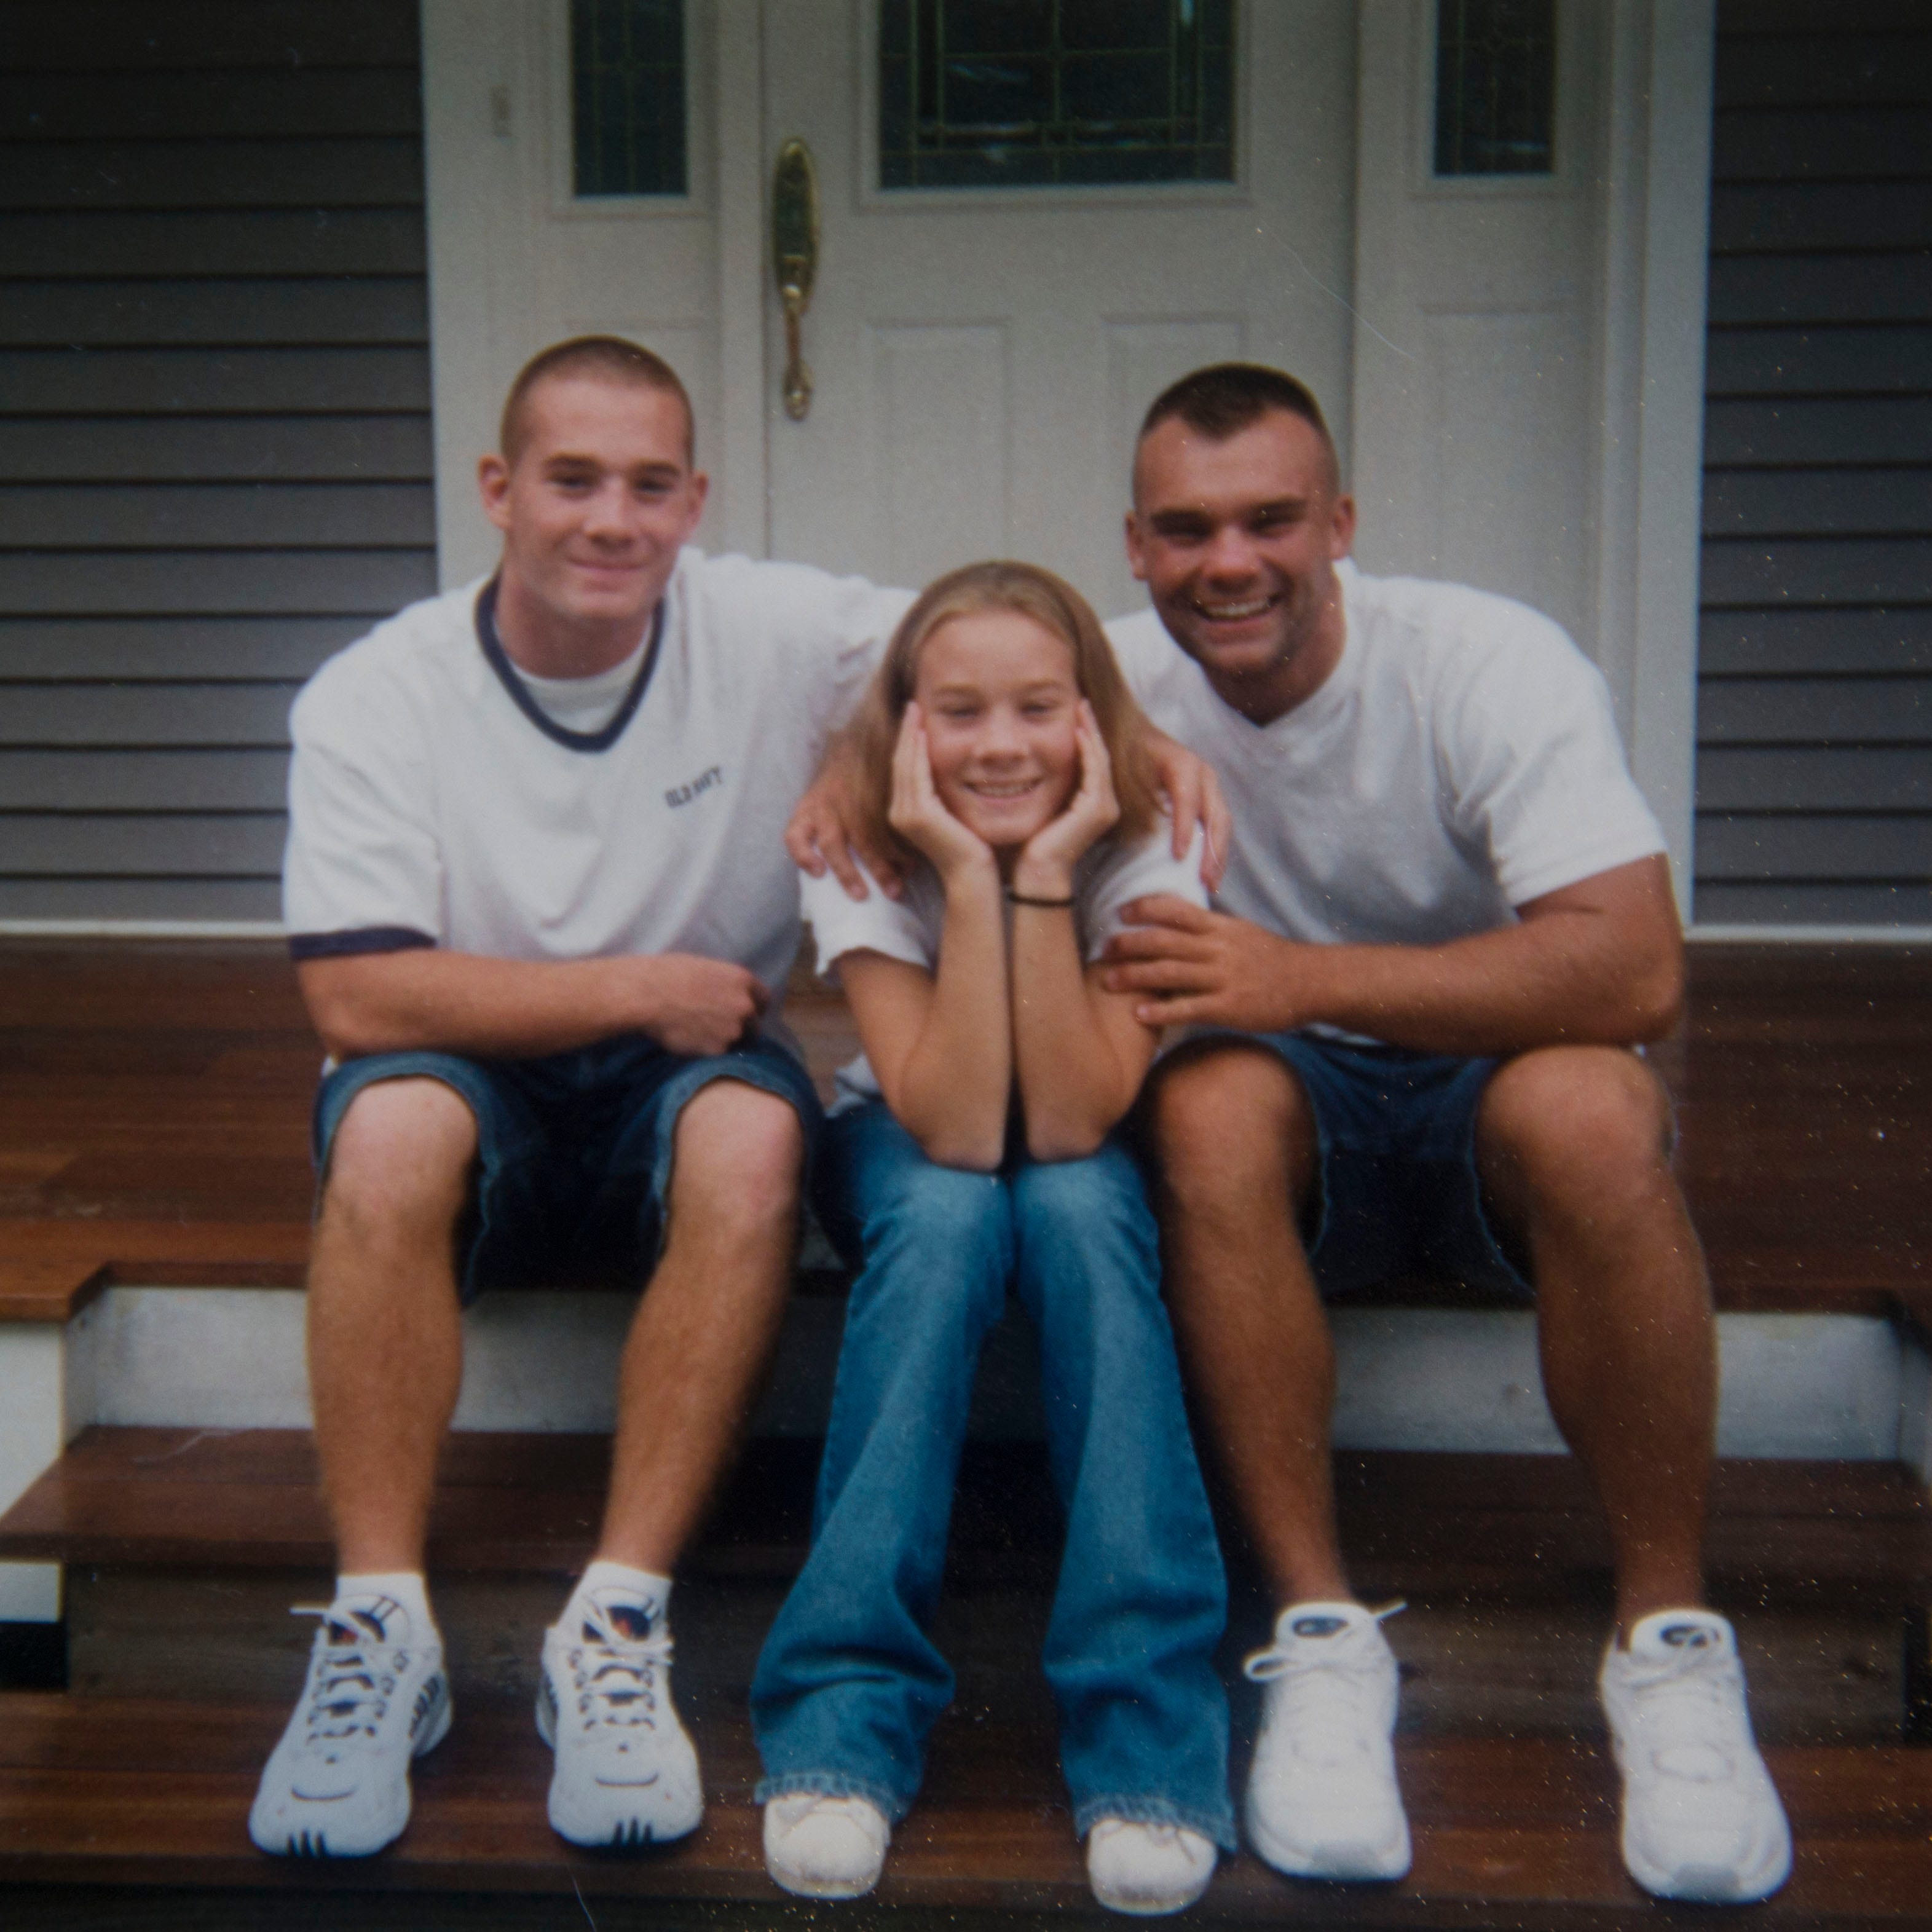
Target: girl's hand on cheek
{"type": "Point", "coordinates": [919, 814]}
{"type": "Point", "coordinates": [1046, 867]}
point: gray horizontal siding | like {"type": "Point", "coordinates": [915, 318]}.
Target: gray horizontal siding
{"type": "Point", "coordinates": [1837, 709]}
{"type": "Point", "coordinates": [39, 716]}
{"type": "Point", "coordinates": [218, 516]}
{"type": "Point", "coordinates": [1808, 144]}
{"type": "Point", "coordinates": [196, 381]}
{"type": "Point", "coordinates": [150, 649]}
{"type": "Point", "coordinates": [93, 35]}
{"type": "Point", "coordinates": [310, 310]}
{"type": "Point", "coordinates": [1786, 643]}
{"type": "Point", "coordinates": [1826, 68]}
{"type": "Point", "coordinates": [1795, 502]}
{"type": "Point", "coordinates": [290, 103]}
{"type": "Point", "coordinates": [1814, 723]}
{"type": "Point", "coordinates": [101, 780]}
{"type": "Point", "coordinates": [1760, 218]}
{"type": "Point", "coordinates": [142, 844]}
{"type": "Point", "coordinates": [266, 241]}
{"type": "Point", "coordinates": [1788, 430]}
{"type": "Point", "coordinates": [1813, 902]}
{"type": "Point", "coordinates": [1886, 287]}
{"type": "Point", "coordinates": [215, 583]}
{"type": "Point", "coordinates": [215, 454]}
{"type": "Point", "coordinates": [108, 896]}
{"type": "Point", "coordinates": [1817, 570]}
{"type": "Point", "coordinates": [366, 171]}
{"type": "Point", "coordinates": [1822, 360]}
{"type": "Point", "coordinates": [332, 449]}
{"type": "Point", "coordinates": [1807, 778]}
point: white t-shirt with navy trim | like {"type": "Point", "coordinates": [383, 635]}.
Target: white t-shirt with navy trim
{"type": "Point", "coordinates": [427, 807]}
{"type": "Point", "coordinates": [1461, 759]}
{"type": "Point", "coordinates": [909, 927]}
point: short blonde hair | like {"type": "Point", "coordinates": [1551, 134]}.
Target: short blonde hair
{"type": "Point", "coordinates": [1057, 607]}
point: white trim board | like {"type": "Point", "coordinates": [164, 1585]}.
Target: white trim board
{"type": "Point", "coordinates": [142, 928]}
{"type": "Point", "coordinates": [1810, 935]}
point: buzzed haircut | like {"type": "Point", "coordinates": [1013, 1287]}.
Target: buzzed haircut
{"type": "Point", "coordinates": [611, 357]}
{"type": "Point", "coordinates": [1227, 397]}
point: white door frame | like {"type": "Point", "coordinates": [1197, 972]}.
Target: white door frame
{"type": "Point", "coordinates": [1650, 279]}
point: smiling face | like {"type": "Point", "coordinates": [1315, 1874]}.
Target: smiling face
{"type": "Point", "coordinates": [1236, 541]}
{"type": "Point", "coordinates": [593, 511]}
{"type": "Point", "coordinates": [997, 692]}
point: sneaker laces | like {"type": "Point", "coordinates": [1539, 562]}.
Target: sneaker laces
{"type": "Point", "coordinates": [1690, 1699]}
{"type": "Point", "coordinates": [1320, 1680]}
{"type": "Point", "coordinates": [616, 1675]}
{"type": "Point", "coordinates": [353, 1676]}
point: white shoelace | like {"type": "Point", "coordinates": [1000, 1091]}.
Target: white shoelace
{"type": "Point", "coordinates": [1690, 1698]}
{"type": "Point", "coordinates": [1324, 1678]}
{"type": "Point", "coordinates": [350, 1685]}
{"type": "Point", "coordinates": [616, 1679]}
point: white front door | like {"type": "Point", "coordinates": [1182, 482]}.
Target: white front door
{"type": "Point", "coordinates": [981, 354]}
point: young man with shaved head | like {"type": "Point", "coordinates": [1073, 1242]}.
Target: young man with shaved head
{"type": "Point", "coordinates": [1447, 921]}
{"type": "Point", "coordinates": [542, 915]}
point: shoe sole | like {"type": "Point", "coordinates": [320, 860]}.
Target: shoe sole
{"type": "Point", "coordinates": [1713, 1884]}
{"type": "Point", "coordinates": [801, 1887]}
{"type": "Point", "coordinates": [635, 1833]}
{"type": "Point", "coordinates": [1142, 1908]}
{"type": "Point", "coordinates": [314, 1844]}
{"type": "Point", "coordinates": [1378, 1868]}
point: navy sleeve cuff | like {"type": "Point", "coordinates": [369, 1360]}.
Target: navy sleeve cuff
{"type": "Point", "coordinates": [362, 939]}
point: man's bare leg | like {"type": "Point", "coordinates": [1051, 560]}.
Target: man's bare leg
{"type": "Point", "coordinates": [705, 1331]}
{"type": "Point", "coordinates": [1573, 1145]}
{"type": "Point", "coordinates": [1237, 1147]}
{"type": "Point", "coordinates": [386, 1359]}
{"type": "Point", "coordinates": [1234, 1144]}
{"type": "Point", "coordinates": [385, 1326]}
{"type": "Point", "coordinates": [626, 1771]}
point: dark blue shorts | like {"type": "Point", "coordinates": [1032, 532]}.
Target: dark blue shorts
{"type": "Point", "coordinates": [1398, 1193]}
{"type": "Point", "coordinates": [575, 1149]}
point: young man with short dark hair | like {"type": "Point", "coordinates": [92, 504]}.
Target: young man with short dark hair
{"type": "Point", "coordinates": [1446, 923]}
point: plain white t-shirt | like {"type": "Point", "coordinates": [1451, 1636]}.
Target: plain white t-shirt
{"type": "Point", "coordinates": [428, 806]}
{"type": "Point", "coordinates": [909, 928]}
{"type": "Point", "coordinates": [1461, 759]}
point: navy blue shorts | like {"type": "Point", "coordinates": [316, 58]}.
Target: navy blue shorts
{"type": "Point", "coordinates": [573, 1150]}
{"type": "Point", "coordinates": [1398, 1193]}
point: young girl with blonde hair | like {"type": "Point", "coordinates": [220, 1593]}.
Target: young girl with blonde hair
{"type": "Point", "coordinates": [975, 1147]}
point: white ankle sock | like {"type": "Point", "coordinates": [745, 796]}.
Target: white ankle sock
{"type": "Point", "coordinates": [406, 1586]}
{"type": "Point", "coordinates": [639, 1586]}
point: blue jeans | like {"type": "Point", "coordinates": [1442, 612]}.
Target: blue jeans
{"type": "Point", "coordinates": [573, 1150]}
{"type": "Point", "coordinates": [849, 1683]}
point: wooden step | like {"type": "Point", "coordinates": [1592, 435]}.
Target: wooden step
{"type": "Point", "coordinates": [1525, 1525]}
{"type": "Point", "coordinates": [1516, 1833]}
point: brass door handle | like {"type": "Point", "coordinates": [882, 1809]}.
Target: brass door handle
{"type": "Point", "coordinates": [795, 256]}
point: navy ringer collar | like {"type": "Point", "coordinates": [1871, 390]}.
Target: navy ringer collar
{"type": "Point", "coordinates": [607, 734]}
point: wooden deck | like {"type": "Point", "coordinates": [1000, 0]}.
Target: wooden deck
{"type": "Point", "coordinates": [154, 1112]}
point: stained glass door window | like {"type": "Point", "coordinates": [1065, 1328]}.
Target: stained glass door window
{"type": "Point", "coordinates": [627, 97]}
{"type": "Point", "coordinates": [1051, 93]}
{"type": "Point", "coordinates": [1495, 87]}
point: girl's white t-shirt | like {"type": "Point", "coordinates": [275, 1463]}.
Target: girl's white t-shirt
{"type": "Point", "coordinates": [909, 927]}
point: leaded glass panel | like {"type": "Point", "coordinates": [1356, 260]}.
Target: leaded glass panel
{"type": "Point", "coordinates": [1044, 93]}
{"type": "Point", "coordinates": [1495, 86]}
{"type": "Point", "coordinates": [627, 97]}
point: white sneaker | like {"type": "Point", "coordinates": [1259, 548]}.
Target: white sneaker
{"type": "Point", "coordinates": [626, 1773]}
{"type": "Point", "coordinates": [337, 1785]}
{"type": "Point", "coordinates": [1701, 1819]}
{"type": "Point", "coordinates": [1322, 1799]}
{"type": "Point", "coordinates": [1147, 1869]}
{"type": "Point", "coordinates": [822, 1847]}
